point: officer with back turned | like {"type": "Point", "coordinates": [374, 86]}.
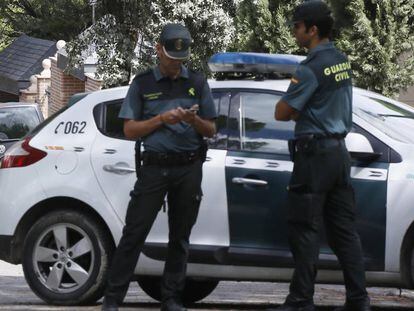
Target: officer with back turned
{"type": "Point", "coordinates": [171, 109]}
{"type": "Point", "coordinates": [319, 99]}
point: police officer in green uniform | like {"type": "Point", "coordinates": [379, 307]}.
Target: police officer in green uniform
{"type": "Point", "coordinates": [319, 99]}
{"type": "Point", "coordinates": [171, 109]}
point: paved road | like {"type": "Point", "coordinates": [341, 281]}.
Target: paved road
{"type": "Point", "coordinates": [16, 295]}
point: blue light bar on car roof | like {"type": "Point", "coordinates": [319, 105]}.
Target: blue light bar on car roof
{"type": "Point", "coordinates": [254, 62]}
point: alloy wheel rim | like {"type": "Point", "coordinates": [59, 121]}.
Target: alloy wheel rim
{"type": "Point", "coordinates": [63, 258]}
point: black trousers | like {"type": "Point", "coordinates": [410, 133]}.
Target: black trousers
{"type": "Point", "coordinates": [320, 190]}
{"type": "Point", "coordinates": [182, 185]}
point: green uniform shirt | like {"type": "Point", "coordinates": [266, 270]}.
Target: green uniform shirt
{"type": "Point", "coordinates": [151, 93]}
{"type": "Point", "coordinates": [321, 89]}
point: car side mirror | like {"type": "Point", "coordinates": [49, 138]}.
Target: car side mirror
{"type": "Point", "coordinates": [360, 148]}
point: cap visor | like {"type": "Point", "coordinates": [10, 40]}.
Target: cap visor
{"type": "Point", "coordinates": [182, 55]}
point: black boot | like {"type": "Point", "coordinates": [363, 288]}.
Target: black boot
{"type": "Point", "coordinates": [109, 304]}
{"type": "Point", "coordinates": [355, 306]}
{"type": "Point", "coordinates": [172, 305]}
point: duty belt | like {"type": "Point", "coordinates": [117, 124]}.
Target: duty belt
{"type": "Point", "coordinates": [307, 142]}
{"type": "Point", "coordinates": [170, 159]}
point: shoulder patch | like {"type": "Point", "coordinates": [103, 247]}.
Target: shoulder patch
{"type": "Point", "coordinates": [191, 91]}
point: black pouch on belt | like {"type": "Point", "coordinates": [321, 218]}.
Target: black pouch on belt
{"type": "Point", "coordinates": [306, 143]}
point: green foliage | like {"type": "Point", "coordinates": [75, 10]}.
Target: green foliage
{"type": "Point", "coordinates": [124, 38]}
{"type": "Point", "coordinates": [5, 34]}
{"type": "Point", "coordinates": [52, 20]}
{"type": "Point", "coordinates": [108, 43]}
{"type": "Point", "coordinates": [379, 40]}
{"type": "Point", "coordinates": [261, 26]}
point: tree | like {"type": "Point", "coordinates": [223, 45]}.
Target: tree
{"type": "Point", "coordinates": [378, 37]}
{"type": "Point", "coordinates": [124, 37]}
{"type": "Point", "coordinates": [261, 26]}
{"type": "Point", "coordinates": [52, 20]}
{"type": "Point", "coordinates": [5, 34]}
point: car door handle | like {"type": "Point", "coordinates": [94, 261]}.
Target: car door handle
{"type": "Point", "coordinates": [272, 164]}
{"type": "Point", "coordinates": [120, 168]}
{"type": "Point", "coordinates": [374, 173]}
{"type": "Point", "coordinates": [249, 181]}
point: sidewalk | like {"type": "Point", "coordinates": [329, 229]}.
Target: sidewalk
{"type": "Point", "coordinates": [15, 294]}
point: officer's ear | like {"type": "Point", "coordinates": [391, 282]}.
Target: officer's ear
{"type": "Point", "coordinates": [158, 48]}
{"type": "Point", "coordinates": [313, 31]}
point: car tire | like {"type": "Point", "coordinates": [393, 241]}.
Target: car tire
{"type": "Point", "coordinates": [407, 259]}
{"type": "Point", "coordinates": [66, 257]}
{"type": "Point", "coordinates": [194, 290]}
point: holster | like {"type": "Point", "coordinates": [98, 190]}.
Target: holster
{"type": "Point", "coordinates": [137, 156]}
{"type": "Point", "coordinates": [306, 143]}
{"type": "Point", "coordinates": [203, 150]}
{"type": "Point", "coordinates": [292, 148]}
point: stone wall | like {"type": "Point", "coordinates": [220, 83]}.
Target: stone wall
{"type": "Point", "coordinates": [407, 96]}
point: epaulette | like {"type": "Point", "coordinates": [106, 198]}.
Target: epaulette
{"type": "Point", "coordinates": [195, 72]}
{"type": "Point", "coordinates": [143, 73]}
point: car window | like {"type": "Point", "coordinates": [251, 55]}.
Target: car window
{"type": "Point", "coordinates": [259, 131]}
{"type": "Point", "coordinates": [394, 121]}
{"type": "Point", "coordinates": [222, 102]}
{"type": "Point", "coordinates": [107, 120]}
{"type": "Point", "coordinates": [16, 122]}
{"type": "Point", "coordinates": [114, 126]}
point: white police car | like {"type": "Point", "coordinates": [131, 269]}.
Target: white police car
{"type": "Point", "coordinates": [65, 188]}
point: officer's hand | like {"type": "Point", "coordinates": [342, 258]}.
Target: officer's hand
{"type": "Point", "coordinates": [295, 116]}
{"type": "Point", "coordinates": [188, 115]}
{"type": "Point", "coordinates": [170, 117]}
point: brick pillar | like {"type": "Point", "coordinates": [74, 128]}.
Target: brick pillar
{"type": "Point", "coordinates": [62, 87]}
{"type": "Point", "coordinates": [29, 95]}
{"type": "Point", "coordinates": [92, 84]}
{"type": "Point", "coordinates": [43, 87]}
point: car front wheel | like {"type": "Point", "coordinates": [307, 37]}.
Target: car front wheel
{"type": "Point", "coordinates": [194, 290]}
{"type": "Point", "coordinates": [65, 259]}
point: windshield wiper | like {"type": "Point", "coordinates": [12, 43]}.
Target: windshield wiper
{"type": "Point", "coordinates": [396, 116]}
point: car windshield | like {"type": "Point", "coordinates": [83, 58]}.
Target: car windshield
{"type": "Point", "coordinates": [395, 121]}
{"type": "Point", "coordinates": [16, 122]}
